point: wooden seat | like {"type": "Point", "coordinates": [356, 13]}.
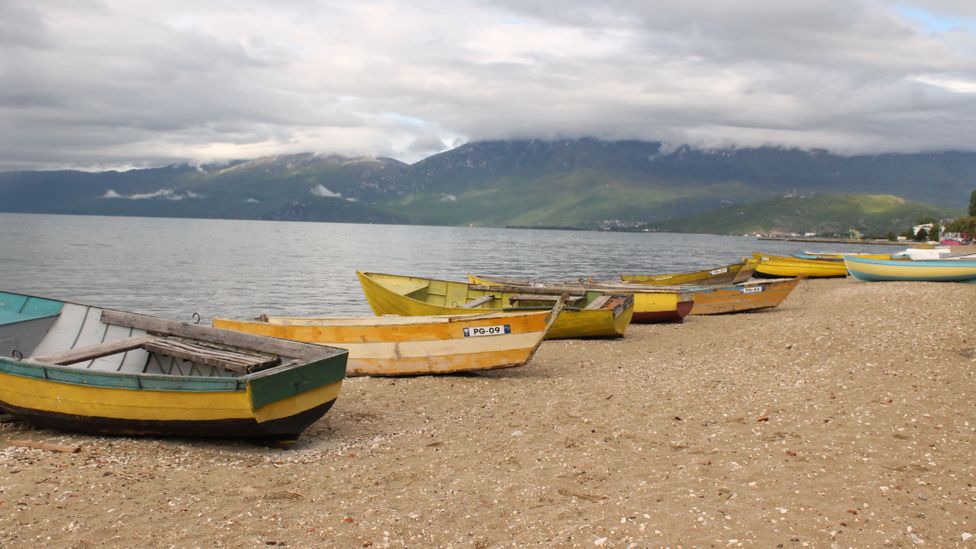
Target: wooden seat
{"type": "Point", "coordinates": [478, 302]}
{"type": "Point", "coordinates": [598, 302]}
{"type": "Point", "coordinates": [197, 352]}
{"type": "Point", "coordinates": [211, 355]}
{"type": "Point", "coordinates": [72, 356]}
{"type": "Point", "coordinates": [544, 297]}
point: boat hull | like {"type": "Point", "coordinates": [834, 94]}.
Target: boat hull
{"type": "Point", "coordinates": [267, 407]}
{"type": "Point", "coordinates": [727, 274]}
{"type": "Point", "coordinates": [945, 270]}
{"type": "Point", "coordinates": [389, 346]}
{"type": "Point", "coordinates": [652, 304]}
{"type": "Point", "coordinates": [781, 266]}
{"type": "Point", "coordinates": [742, 297]}
{"type": "Point", "coordinates": [571, 324]}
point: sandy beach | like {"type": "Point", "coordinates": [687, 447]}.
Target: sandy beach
{"type": "Point", "coordinates": [843, 418]}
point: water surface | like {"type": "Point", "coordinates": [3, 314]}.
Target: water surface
{"type": "Point", "coordinates": [176, 267]}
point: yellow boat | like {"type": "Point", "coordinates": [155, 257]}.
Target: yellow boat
{"type": "Point", "coordinates": [412, 345]}
{"type": "Point", "coordinates": [76, 367]}
{"type": "Point", "coordinates": [745, 296]}
{"type": "Point", "coordinates": [651, 304]}
{"type": "Point", "coordinates": [591, 314]}
{"type": "Point", "coordinates": [727, 274]}
{"type": "Point", "coordinates": [839, 256]}
{"type": "Point", "coordinates": [784, 266]}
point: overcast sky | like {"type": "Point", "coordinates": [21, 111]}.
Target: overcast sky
{"type": "Point", "coordinates": [116, 83]}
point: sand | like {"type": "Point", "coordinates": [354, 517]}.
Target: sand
{"type": "Point", "coordinates": [843, 418]}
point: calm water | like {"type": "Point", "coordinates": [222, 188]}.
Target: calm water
{"type": "Point", "coordinates": [175, 267]}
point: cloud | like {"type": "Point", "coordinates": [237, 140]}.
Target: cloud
{"type": "Point", "coordinates": [204, 82]}
{"type": "Point", "coordinates": [163, 194]}
{"type": "Point", "coordinates": [322, 191]}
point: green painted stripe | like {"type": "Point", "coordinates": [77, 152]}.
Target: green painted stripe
{"type": "Point", "coordinates": [115, 380]}
{"type": "Point", "coordinates": [19, 308]}
{"type": "Point", "coordinates": [287, 383]}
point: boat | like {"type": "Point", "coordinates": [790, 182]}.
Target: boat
{"type": "Point", "coordinates": [652, 304]}
{"type": "Point", "coordinates": [726, 274]}
{"type": "Point", "coordinates": [751, 295]}
{"type": "Point", "coordinates": [414, 345]}
{"type": "Point", "coordinates": [694, 299]}
{"type": "Point", "coordinates": [778, 266]}
{"type": "Point", "coordinates": [76, 367]}
{"type": "Point", "coordinates": [585, 315]}
{"type": "Point", "coordinates": [928, 270]}
{"type": "Point", "coordinates": [838, 256]}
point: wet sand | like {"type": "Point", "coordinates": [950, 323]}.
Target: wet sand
{"type": "Point", "coordinates": [843, 418]}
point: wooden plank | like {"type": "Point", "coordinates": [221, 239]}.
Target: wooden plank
{"type": "Point", "coordinates": [544, 290]}
{"type": "Point", "coordinates": [234, 361]}
{"type": "Point", "coordinates": [262, 344]}
{"type": "Point", "coordinates": [545, 297]}
{"type": "Point", "coordinates": [95, 351]}
{"type": "Point", "coordinates": [476, 302]}
{"type": "Point", "coordinates": [598, 302]}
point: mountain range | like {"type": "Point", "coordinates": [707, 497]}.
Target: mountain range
{"type": "Point", "coordinates": [581, 183]}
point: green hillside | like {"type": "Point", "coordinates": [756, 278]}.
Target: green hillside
{"type": "Point", "coordinates": [871, 214]}
{"type": "Point", "coordinates": [581, 183]}
{"type": "Point", "coordinates": [578, 198]}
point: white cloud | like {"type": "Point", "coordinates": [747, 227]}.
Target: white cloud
{"type": "Point", "coordinates": [321, 190]}
{"type": "Point", "coordinates": [163, 194]}
{"type": "Point", "coordinates": [212, 81]}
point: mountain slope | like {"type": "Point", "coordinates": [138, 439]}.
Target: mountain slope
{"type": "Point", "coordinates": [569, 183]}
{"type": "Point", "coordinates": [823, 214]}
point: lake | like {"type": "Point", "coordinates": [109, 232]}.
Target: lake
{"type": "Point", "coordinates": [176, 267]}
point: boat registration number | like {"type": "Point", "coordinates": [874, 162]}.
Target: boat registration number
{"type": "Point", "coordinates": [752, 290]}
{"type": "Point", "coordinates": [719, 271]}
{"type": "Point", "coordinates": [479, 331]}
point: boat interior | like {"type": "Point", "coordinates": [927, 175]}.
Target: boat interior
{"type": "Point", "coordinates": [71, 335]}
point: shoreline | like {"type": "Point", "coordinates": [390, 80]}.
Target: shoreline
{"type": "Point", "coordinates": [843, 416]}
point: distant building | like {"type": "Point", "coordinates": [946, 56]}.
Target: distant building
{"type": "Point", "coordinates": [926, 226]}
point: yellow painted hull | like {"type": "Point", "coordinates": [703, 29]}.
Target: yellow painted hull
{"type": "Point", "coordinates": [742, 297]}
{"type": "Point", "coordinates": [782, 266]}
{"type": "Point", "coordinates": [651, 305]}
{"type": "Point", "coordinates": [727, 274]}
{"type": "Point", "coordinates": [416, 296]}
{"type": "Point", "coordinates": [391, 346]}
{"type": "Point", "coordinates": [839, 256]}
{"type": "Point", "coordinates": [120, 411]}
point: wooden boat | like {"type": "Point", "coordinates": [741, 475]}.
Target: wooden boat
{"type": "Point", "coordinates": [783, 266]}
{"type": "Point", "coordinates": [412, 345]}
{"type": "Point", "coordinates": [696, 300]}
{"type": "Point", "coordinates": [590, 314]}
{"type": "Point", "coordinates": [839, 256]}
{"type": "Point", "coordinates": [652, 304]}
{"type": "Point", "coordinates": [76, 367]}
{"type": "Point", "coordinates": [744, 296]}
{"type": "Point", "coordinates": [929, 270]}
{"type": "Point", "coordinates": [727, 274]}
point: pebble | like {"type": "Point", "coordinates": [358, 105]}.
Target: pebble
{"type": "Point", "coordinates": [917, 540]}
{"type": "Point", "coordinates": [966, 536]}
{"type": "Point", "coordinates": [600, 542]}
